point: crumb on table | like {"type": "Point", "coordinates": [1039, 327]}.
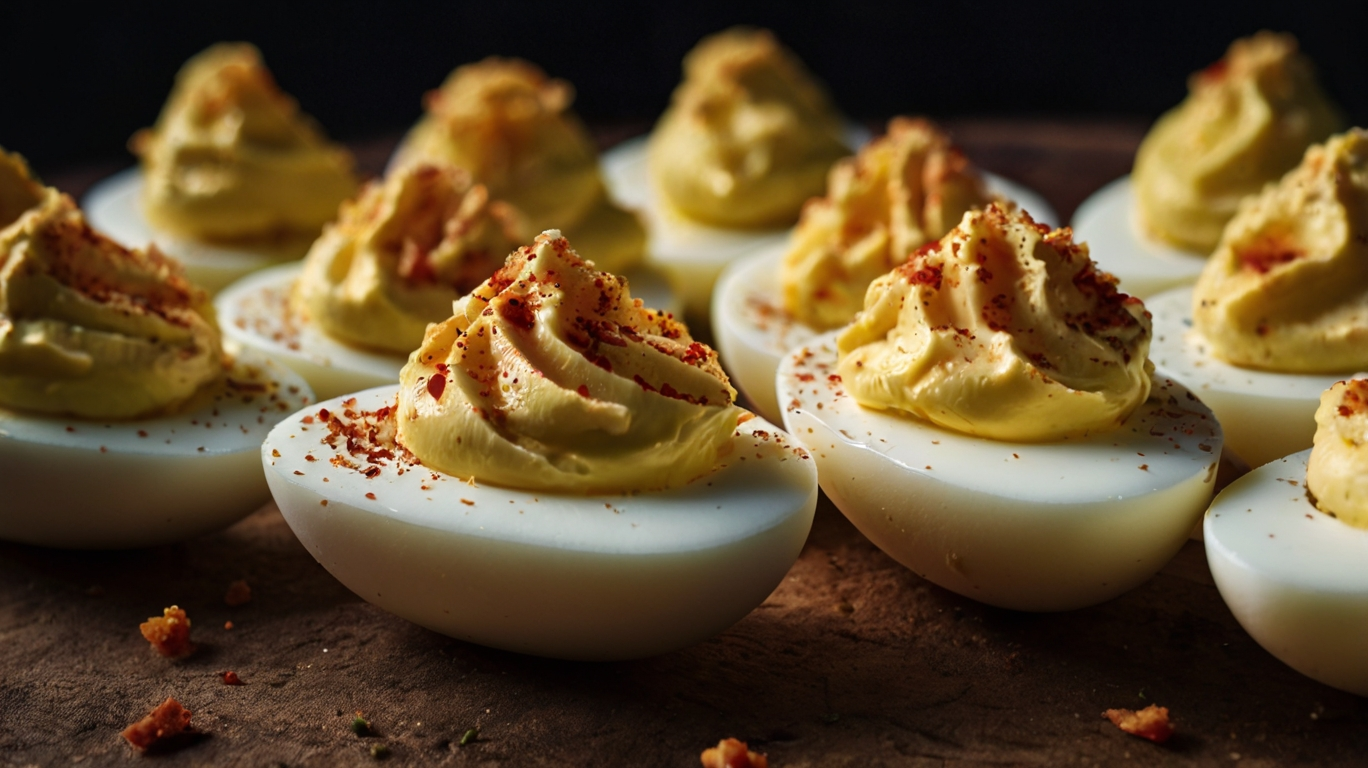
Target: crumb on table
{"type": "Point", "coordinates": [167, 720]}
{"type": "Point", "coordinates": [169, 633]}
{"type": "Point", "coordinates": [731, 753]}
{"type": "Point", "coordinates": [239, 593]}
{"type": "Point", "coordinates": [1151, 723]}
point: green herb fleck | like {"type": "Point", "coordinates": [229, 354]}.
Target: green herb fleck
{"type": "Point", "coordinates": [470, 736]}
{"type": "Point", "coordinates": [361, 726]}
{"type": "Point", "coordinates": [379, 751]}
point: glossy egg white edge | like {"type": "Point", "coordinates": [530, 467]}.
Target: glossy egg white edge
{"type": "Point", "coordinates": [577, 577]}
{"type": "Point", "coordinates": [752, 329]}
{"type": "Point", "coordinates": [83, 484]}
{"type": "Point", "coordinates": [1295, 578]}
{"type": "Point", "coordinates": [113, 206]}
{"type": "Point", "coordinates": [255, 313]}
{"type": "Point", "coordinates": [1029, 526]}
{"type": "Point", "coordinates": [1266, 415]}
{"type": "Point", "coordinates": [1108, 222]}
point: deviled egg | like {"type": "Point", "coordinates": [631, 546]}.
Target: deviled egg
{"type": "Point", "coordinates": [1288, 543]}
{"type": "Point", "coordinates": [509, 126]}
{"type": "Point", "coordinates": [747, 139]}
{"type": "Point", "coordinates": [907, 188]}
{"type": "Point", "coordinates": [394, 261]}
{"type": "Point", "coordinates": [990, 420]}
{"type": "Point", "coordinates": [234, 177]}
{"type": "Point", "coordinates": [1246, 121]}
{"type": "Point", "coordinates": [122, 423]}
{"type": "Point", "coordinates": [1281, 310]}
{"type": "Point", "coordinates": [563, 470]}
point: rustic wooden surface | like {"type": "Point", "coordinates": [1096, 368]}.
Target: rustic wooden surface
{"type": "Point", "coordinates": [853, 661]}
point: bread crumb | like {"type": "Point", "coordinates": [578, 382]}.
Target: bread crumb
{"type": "Point", "coordinates": [239, 593]}
{"type": "Point", "coordinates": [1151, 723]}
{"type": "Point", "coordinates": [167, 720]}
{"type": "Point", "coordinates": [169, 633]}
{"type": "Point", "coordinates": [731, 753]}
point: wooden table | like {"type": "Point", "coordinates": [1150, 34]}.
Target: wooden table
{"type": "Point", "coordinates": [853, 661]}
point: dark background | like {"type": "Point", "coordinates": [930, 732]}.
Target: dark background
{"type": "Point", "coordinates": [77, 83]}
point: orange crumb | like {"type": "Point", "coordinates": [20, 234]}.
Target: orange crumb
{"type": "Point", "coordinates": [167, 720]}
{"type": "Point", "coordinates": [731, 753]}
{"type": "Point", "coordinates": [238, 593]}
{"type": "Point", "coordinates": [169, 633]}
{"type": "Point", "coordinates": [1151, 723]}
{"type": "Point", "coordinates": [231, 678]}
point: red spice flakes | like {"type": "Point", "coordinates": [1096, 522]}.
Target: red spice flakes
{"type": "Point", "coordinates": [142, 433]}
{"type": "Point", "coordinates": [370, 496]}
{"type": "Point", "coordinates": [928, 275]}
{"type": "Point", "coordinates": [227, 625]}
{"type": "Point", "coordinates": [583, 390]}
{"type": "Point", "coordinates": [230, 678]}
{"type": "Point", "coordinates": [307, 419]}
{"type": "Point", "coordinates": [1151, 723]}
{"type": "Point", "coordinates": [468, 502]}
{"type": "Point", "coordinates": [1267, 252]}
{"type": "Point", "coordinates": [731, 753]}
{"type": "Point", "coordinates": [169, 633]}
{"type": "Point", "coordinates": [167, 720]}
{"type": "Point", "coordinates": [520, 313]}
{"type": "Point", "coordinates": [310, 457]}
{"type": "Point", "coordinates": [1355, 398]}
{"type": "Point", "coordinates": [436, 385]}
{"type": "Point", "coordinates": [239, 593]}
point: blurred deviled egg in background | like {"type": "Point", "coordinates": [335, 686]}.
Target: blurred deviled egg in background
{"type": "Point", "coordinates": [1246, 121]}
{"type": "Point", "coordinates": [747, 139]}
{"type": "Point", "coordinates": [233, 176]}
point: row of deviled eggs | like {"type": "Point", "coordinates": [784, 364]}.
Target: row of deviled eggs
{"type": "Point", "coordinates": [1096, 576]}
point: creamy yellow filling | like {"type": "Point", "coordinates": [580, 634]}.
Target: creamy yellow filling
{"type": "Point", "coordinates": [551, 377]}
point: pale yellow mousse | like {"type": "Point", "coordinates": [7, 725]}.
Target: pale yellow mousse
{"type": "Point", "coordinates": [1002, 329]}
{"type": "Point", "coordinates": [1287, 288]}
{"type": "Point", "coordinates": [748, 137]}
{"type": "Point", "coordinates": [907, 188]}
{"type": "Point", "coordinates": [401, 253]}
{"type": "Point", "coordinates": [87, 327]}
{"type": "Point", "coordinates": [1337, 472]}
{"type": "Point", "coordinates": [510, 127]}
{"type": "Point", "coordinates": [1246, 121]}
{"type": "Point", "coordinates": [232, 158]}
{"type": "Point", "coordinates": [550, 376]}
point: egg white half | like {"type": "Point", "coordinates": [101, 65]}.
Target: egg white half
{"type": "Point", "coordinates": [1109, 223]}
{"type": "Point", "coordinates": [752, 328]}
{"type": "Point", "coordinates": [254, 312]}
{"type": "Point", "coordinates": [1266, 414]}
{"type": "Point", "coordinates": [114, 207]}
{"type": "Point", "coordinates": [578, 577]}
{"type": "Point", "coordinates": [1295, 578]}
{"type": "Point", "coordinates": [1030, 526]}
{"type": "Point", "coordinates": [82, 484]}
